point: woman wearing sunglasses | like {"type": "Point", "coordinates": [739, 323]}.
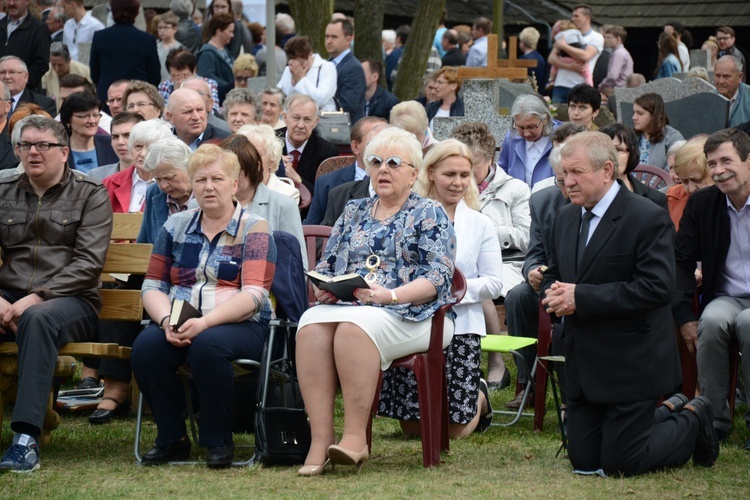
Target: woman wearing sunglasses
{"type": "Point", "coordinates": [525, 151]}
{"type": "Point", "coordinates": [404, 246]}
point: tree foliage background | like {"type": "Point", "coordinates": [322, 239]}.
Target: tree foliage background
{"type": "Point", "coordinates": [311, 18]}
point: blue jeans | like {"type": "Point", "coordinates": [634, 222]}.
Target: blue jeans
{"type": "Point", "coordinates": [560, 94]}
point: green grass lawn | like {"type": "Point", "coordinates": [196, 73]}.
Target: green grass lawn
{"type": "Point", "coordinates": [85, 461]}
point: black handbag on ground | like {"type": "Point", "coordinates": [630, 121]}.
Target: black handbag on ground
{"type": "Point", "coordinates": [282, 432]}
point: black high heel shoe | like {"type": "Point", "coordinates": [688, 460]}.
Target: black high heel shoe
{"type": "Point", "coordinates": [106, 416]}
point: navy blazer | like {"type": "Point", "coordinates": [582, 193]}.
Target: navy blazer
{"type": "Point", "coordinates": [350, 87]}
{"type": "Point", "coordinates": [155, 214]}
{"type": "Point", "coordinates": [323, 186]}
{"type": "Point", "coordinates": [105, 155]}
{"type": "Point", "coordinates": [457, 108]}
{"type": "Point", "coordinates": [381, 103]}
{"type": "Point", "coordinates": [621, 345]}
{"type": "Point", "coordinates": [122, 51]}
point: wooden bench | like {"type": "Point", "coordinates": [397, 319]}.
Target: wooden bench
{"type": "Point", "coordinates": [123, 257]}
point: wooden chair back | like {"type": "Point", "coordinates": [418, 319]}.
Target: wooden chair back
{"type": "Point", "coordinates": [333, 163]}
{"type": "Point", "coordinates": [312, 234]}
{"type": "Point", "coordinates": [124, 257]}
{"type": "Point", "coordinates": [653, 177]}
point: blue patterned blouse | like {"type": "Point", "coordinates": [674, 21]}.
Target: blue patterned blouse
{"type": "Point", "coordinates": [416, 242]}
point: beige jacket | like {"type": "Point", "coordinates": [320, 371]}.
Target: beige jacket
{"type": "Point", "coordinates": [51, 83]}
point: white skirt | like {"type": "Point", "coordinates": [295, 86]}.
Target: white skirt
{"type": "Point", "coordinates": [392, 336]}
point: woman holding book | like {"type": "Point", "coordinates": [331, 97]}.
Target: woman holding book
{"type": "Point", "coordinates": [446, 176]}
{"type": "Point", "coordinates": [404, 246]}
{"type": "Point", "coordinates": [219, 259]}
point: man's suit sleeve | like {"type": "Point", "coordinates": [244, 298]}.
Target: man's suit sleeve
{"type": "Point", "coordinates": [39, 63]}
{"type": "Point", "coordinates": [350, 90]}
{"type": "Point", "coordinates": [317, 207]}
{"type": "Point", "coordinates": [153, 64]}
{"type": "Point", "coordinates": [687, 255]}
{"type": "Point", "coordinates": [535, 255]}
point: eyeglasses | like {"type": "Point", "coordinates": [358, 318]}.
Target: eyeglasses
{"type": "Point", "coordinates": [94, 116]}
{"type": "Point", "coordinates": [40, 146]}
{"type": "Point", "coordinates": [521, 129]}
{"type": "Point", "coordinates": [723, 38]}
{"type": "Point", "coordinates": [442, 82]}
{"type": "Point", "coordinates": [242, 79]}
{"type": "Point", "coordinates": [560, 182]}
{"type": "Point", "coordinates": [11, 72]}
{"type": "Point", "coordinates": [392, 162]}
{"type": "Point", "coordinates": [141, 104]}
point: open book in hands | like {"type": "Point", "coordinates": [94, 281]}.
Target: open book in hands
{"type": "Point", "coordinates": [341, 286]}
{"type": "Point", "coordinates": [182, 310]}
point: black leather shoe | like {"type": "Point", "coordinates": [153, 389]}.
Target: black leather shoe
{"type": "Point", "coordinates": [220, 457]}
{"type": "Point", "coordinates": [676, 403]}
{"type": "Point", "coordinates": [504, 382]}
{"type": "Point", "coordinates": [485, 420]}
{"type": "Point", "coordinates": [88, 383]}
{"type": "Point", "coordinates": [106, 416]}
{"type": "Point", "coordinates": [707, 444]}
{"type": "Point", "coordinates": [515, 403]}
{"type": "Point", "coordinates": [175, 452]}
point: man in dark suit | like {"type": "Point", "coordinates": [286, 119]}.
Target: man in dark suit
{"type": "Point", "coordinates": [453, 55]}
{"type": "Point", "coordinates": [378, 101]}
{"type": "Point", "coordinates": [187, 113]}
{"type": "Point", "coordinates": [716, 235]}
{"type": "Point", "coordinates": [15, 76]}
{"type": "Point", "coordinates": [354, 172]}
{"type": "Point", "coordinates": [28, 41]}
{"type": "Point", "coordinates": [55, 23]}
{"type": "Point", "coordinates": [106, 61]}
{"type": "Point", "coordinates": [611, 277]}
{"type": "Point", "coordinates": [350, 84]}
{"type": "Point", "coordinates": [340, 196]}
{"type": "Point", "coordinates": [304, 149]}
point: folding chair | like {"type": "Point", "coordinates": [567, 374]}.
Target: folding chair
{"type": "Point", "coordinates": [289, 289]}
{"type": "Point", "coordinates": [508, 344]}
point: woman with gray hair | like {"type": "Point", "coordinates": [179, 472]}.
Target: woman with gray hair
{"type": "Point", "coordinates": [525, 150]}
{"type": "Point", "coordinates": [60, 65]}
{"type": "Point", "coordinates": [241, 107]}
{"type": "Point", "coordinates": [127, 193]}
{"type": "Point", "coordinates": [167, 161]}
{"type": "Point", "coordinates": [265, 141]}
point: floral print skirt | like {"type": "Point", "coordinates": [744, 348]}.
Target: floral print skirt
{"type": "Point", "coordinates": [399, 397]}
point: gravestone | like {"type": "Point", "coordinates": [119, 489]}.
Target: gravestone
{"type": "Point", "coordinates": [700, 58]}
{"type": "Point", "coordinates": [257, 84]}
{"type": "Point", "coordinates": [481, 98]}
{"type": "Point", "coordinates": [509, 91]}
{"type": "Point", "coordinates": [692, 105]}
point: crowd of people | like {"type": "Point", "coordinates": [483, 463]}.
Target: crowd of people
{"type": "Point", "coordinates": [174, 132]}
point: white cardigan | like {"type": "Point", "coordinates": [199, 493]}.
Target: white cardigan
{"type": "Point", "coordinates": [319, 83]}
{"type": "Point", "coordinates": [479, 258]}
